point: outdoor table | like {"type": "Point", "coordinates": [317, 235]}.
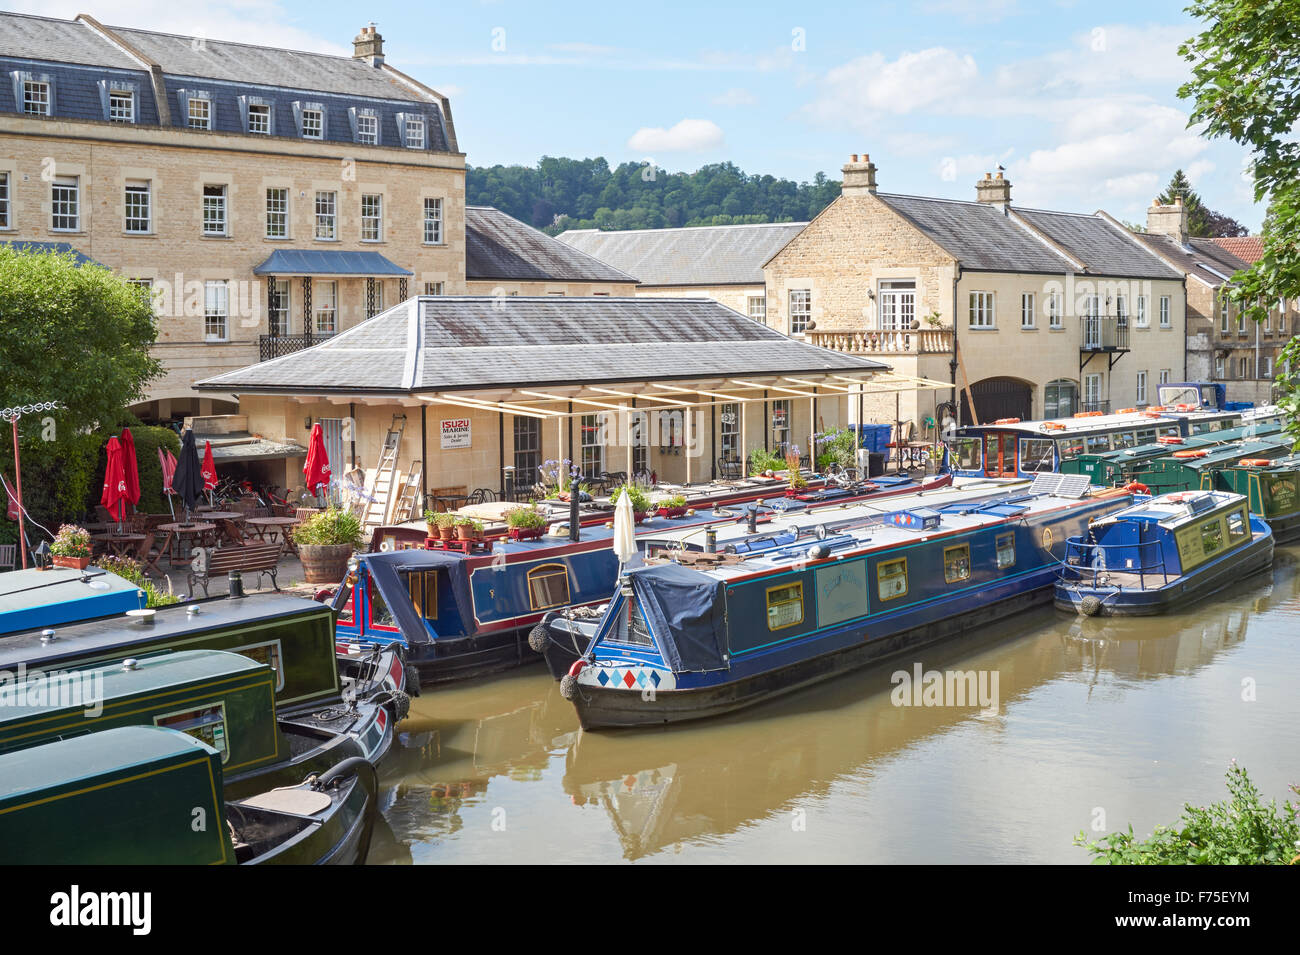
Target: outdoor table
{"type": "Point", "coordinates": [911, 454]}
{"type": "Point", "coordinates": [228, 521]}
{"type": "Point", "coordinates": [264, 525]}
{"type": "Point", "coordinates": [122, 545]}
{"type": "Point", "coordinates": [452, 502]}
{"type": "Point", "coordinates": [178, 532]}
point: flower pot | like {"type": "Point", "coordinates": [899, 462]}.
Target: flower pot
{"type": "Point", "coordinates": [78, 563]}
{"type": "Point", "coordinates": [526, 533]}
{"type": "Point", "coordinates": [638, 516]}
{"type": "Point", "coordinates": [466, 533]}
{"type": "Point", "coordinates": [672, 511]}
{"type": "Point", "coordinates": [324, 563]}
{"type": "Point", "coordinates": [445, 533]}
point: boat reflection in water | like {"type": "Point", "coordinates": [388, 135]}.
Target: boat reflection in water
{"type": "Point", "coordinates": [708, 787]}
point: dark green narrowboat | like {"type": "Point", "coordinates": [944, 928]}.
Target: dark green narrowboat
{"type": "Point", "coordinates": [155, 797]}
{"type": "Point", "coordinates": [1271, 486]}
{"type": "Point", "coordinates": [1116, 466]}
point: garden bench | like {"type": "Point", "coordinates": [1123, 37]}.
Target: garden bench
{"type": "Point", "coordinates": [245, 558]}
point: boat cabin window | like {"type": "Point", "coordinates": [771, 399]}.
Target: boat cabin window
{"type": "Point", "coordinates": [1069, 448]}
{"type": "Point", "coordinates": [1006, 548]}
{"type": "Point", "coordinates": [1125, 439]}
{"type": "Point", "coordinates": [1037, 454]}
{"type": "Point", "coordinates": [1098, 443]}
{"type": "Point", "coordinates": [548, 586]}
{"type": "Point", "coordinates": [380, 615]}
{"type": "Point", "coordinates": [965, 453]}
{"type": "Point", "coordinates": [1279, 493]}
{"type": "Point", "coordinates": [636, 632]}
{"type": "Point", "coordinates": [1238, 526]}
{"type": "Point", "coordinates": [891, 578]}
{"type": "Point", "coordinates": [784, 606]}
{"type": "Point", "coordinates": [423, 588]}
{"type": "Point", "coordinates": [1169, 431]}
{"type": "Point", "coordinates": [348, 616]}
{"type": "Point", "coordinates": [1212, 536]}
{"type": "Point", "coordinates": [956, 563]}
{"type": "Point", "coordinates": [1146, 436]}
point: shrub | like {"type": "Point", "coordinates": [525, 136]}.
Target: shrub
{"type": "Point", "coordinates": [761, 461]}
{"type": "Point", "coordinates": [131, 570]}
{"type": "Point", "coordinates": [526, 516]}
{"type": "Point", "coordinates": [332, 526]}
{"type": "Point", "coordinates": [71, 541]}
{"type": "Point", "coordinates": [675, 500]}
{"type": "Point", "coordinates": [639, 496]}
{"type": "Point", "coordinates": [838, 447]}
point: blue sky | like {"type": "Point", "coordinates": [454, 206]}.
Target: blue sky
{"type": "Point", "coordinates": [1078, 100]}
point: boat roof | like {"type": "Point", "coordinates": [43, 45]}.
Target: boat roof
{"type": "Point", "coordinates": [1289, 463]}
{"type": "Point", "coordinates": [31, 597]}
{"type": "Point", "coordinates": [92, 756]}
{"type": "Point", "coordinates": [1217, 455]}
{"type": "Point", "coordinates": [1089, 424]}
{"type": "Point", "coordinates": [115, 681]}
{"type": "Point", "coordinates": [865, 526]}
{"type": "Point", "coordinates": [1206, 439]}
{"type": "Point", "coordinates": [1174, 510]}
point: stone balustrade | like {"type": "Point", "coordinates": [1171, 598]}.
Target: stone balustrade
{"type": "Point", "coordinates": [875, 341]}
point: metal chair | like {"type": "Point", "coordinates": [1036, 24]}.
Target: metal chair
{"type": "Point", "coordinates": [729, 470]}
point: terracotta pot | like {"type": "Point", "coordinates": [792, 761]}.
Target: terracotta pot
{"type": "Point", "coordinates": [446, 533]}
{"type": "Point", "coordinates": [464, 532]}
{"type": "Point", "coordinates": [672, 511]}
{"type": "Point", "coordinates": [526, 533]}
{"type": "Point", "coordinates": [324, 563]}
{"type": "Point", "coordinates": [79, 563]}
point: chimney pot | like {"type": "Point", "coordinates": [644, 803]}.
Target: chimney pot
{"type": "Point", "coordinates": [993, 192]}
{"type": "Point", "coordinates": [859, 177]}
{"type": "Point", "coordinates": [853, 157]}
{"type": "Point", "coordinates": [368, 45]}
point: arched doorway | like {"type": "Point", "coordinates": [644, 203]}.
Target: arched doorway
{"type": "Point", "coordinates": [999, 398]}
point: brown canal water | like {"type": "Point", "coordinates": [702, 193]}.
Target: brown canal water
{"type": "Point", "coordinates": [1100, 723]}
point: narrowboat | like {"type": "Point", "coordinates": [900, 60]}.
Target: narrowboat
{"type": "Point", "coordinates": [48, 598]}
{"type": "Point", "coordinates": [1271, 486]}
{"type": "Point", "coordinates": [291, 635]}
{"type": "Point", "coordinates": [154, 796]}
{"type": "Point", "coordinates": [1115, 467]}
{"type": "Point", "coordinates": [1187, 469]}
{"type": "Point", "coordinates": [224, 699]}
{"type": "Point", "coordinates": [697, 634]}
{"type": "Point", "coordinates": [463, 615]}
{"type": "Point", "coordinates": [1162, 553]}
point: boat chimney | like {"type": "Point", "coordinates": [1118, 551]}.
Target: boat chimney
{"type": "Point", "coordinates": [48, 635]}
{"type": "Point", "coordinates": [236, 581]}
{"type": "Point", "coordinates": [710, 540]}
{"type": "Point", "coordinates": [574, 532]}
{"type": "Point", "coordinates": [751, 521]}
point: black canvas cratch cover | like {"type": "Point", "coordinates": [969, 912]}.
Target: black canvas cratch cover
{"type": "Point", "coordinates": [686, 611]}
{"type": "Point", "coordinates": [386, 570]}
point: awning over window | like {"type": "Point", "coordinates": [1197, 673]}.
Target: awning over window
{"type": "Point", "coordinates": [330, 262]}
{"type": "Point", "coordinates": [22, 245]}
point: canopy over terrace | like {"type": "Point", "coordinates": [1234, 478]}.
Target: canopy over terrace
{"type": "Point", "coordinates": [557, 359]}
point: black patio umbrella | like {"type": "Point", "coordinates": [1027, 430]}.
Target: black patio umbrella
{"type": "Point", "coordinates": [188, 480]}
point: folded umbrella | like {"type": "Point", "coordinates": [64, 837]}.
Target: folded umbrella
{"type": "Point", "coordinates": [130, 468]}
{"type": "Point", "coordinates": [317, 468]}
{"type": "Point", "coordinates": [114, 493]}
{"type": "Point", "coordinates": [187, 480]}
{"type": "Point", "coordinates": [167, 464]}
{"type": "Point", "coordinates": [209, 471]}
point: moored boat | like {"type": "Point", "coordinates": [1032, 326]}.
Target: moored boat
{"type": "Point", "coordinates": [47, 598]}
{"type": "Point", "coordinates": [693, 635]}
{"type": "Point", "coordinates": [1161, 554]}
{"type": "Point", "coordinates": [1272, 485]}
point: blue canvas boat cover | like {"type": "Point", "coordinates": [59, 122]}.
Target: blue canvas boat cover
{"type": "Point", "coordinates": [385, 571]}
{"type": "Point", "coordinates": [686, 611]}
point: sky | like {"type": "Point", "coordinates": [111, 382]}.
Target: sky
{"type": "Point", "coordinates": [1077, 100]}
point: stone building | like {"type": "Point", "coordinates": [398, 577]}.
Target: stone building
{"type": "Point", "coordinates": [1029, 313]}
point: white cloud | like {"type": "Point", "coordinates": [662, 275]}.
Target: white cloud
{"type": "Point", "coordinates": [736, 96]}
{"type": "Point", "coordinates": [869, 86]}
{"type": "Point", "coordinates": [689, 135]}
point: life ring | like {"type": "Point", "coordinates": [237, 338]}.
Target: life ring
{"type": "Point", "coordinates": [1053, 426]}
{"type": "Point", "coordinates": [1193, 453]}
{"type": "Point", "coordinates": [1087, 414]}
{"type": "Point", "coordinates": [1169, 439]}
{"type": "Point", "coordinates": [1154, 409]}
{"type": "Point", "coordinates": [1187, 407]}
{"type": "Point", "coordinates": [1254, 462]}
{"type": "Point", "coordinates": [1007, 421]}
{"type": "Point", "coordinates": [1126, 411]}
{"type": "Point", "coordinates": [1137, 487]}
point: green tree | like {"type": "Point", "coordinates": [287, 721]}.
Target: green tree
{"type": "Point", "coordinates": [1202, 221]}
{"type": "Point", "coordinates": [78, 335]}
{"type": "Point", "coordinates": [1245, 87]}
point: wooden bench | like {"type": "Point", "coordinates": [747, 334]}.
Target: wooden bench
{"type": "Point", "coordinates": [214, 562]}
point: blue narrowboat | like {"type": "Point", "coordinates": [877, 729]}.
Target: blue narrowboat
{"type": "Point", "coordinates": [697, 634]}
{"type": "Point", "coordinates": [1163, 553]}
{"type": "Point", "coordinates": [48, 598]}
{"type": "Point", "coordinates": [463, 615]}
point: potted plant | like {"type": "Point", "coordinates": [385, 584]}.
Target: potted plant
{"type": "Point", "coordinates": [794, 476]}
{"type": "Point", "coordinates": [468, 529]}
{"type": "Point", "coordinates": [325, 542]}
{"type": "Point", "coordinates": [443, 526]}
{"type": "Point", "coordinates": [71, 547]}
{"type": "Point", "coordinates": [674, 506]}
{"type": "Point", "coordinates": [640, 499]}
{"type": "Point", "coordinates": [934, 319]}
{"type": "Point", "coordinates": [525, 522]}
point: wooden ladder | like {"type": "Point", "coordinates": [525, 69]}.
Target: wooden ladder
{"type": "Point", "coordinates": [408, 495]}
{"type": "Point", "coordinates": [380, 491]}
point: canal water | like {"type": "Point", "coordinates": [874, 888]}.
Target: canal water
{"type": "Point", "coordinates": [1099, 724]}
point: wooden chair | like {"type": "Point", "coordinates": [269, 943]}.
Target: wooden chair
{"type": "Point", "coordinates": [8, 556]}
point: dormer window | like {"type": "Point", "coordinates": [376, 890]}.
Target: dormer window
{"type": "Point", "coordinates": [36, 98]}
{"type": "Point", "coordinates": [259, 119]}
{"type": "Point", "coordinates": [200, 113]}
{"type": "Point", "coordinates": [415, 132]}
{"type": "Point", "coordinates": [367, 129]}
{"type": "Point", "coordinates": [121, 106]}
{"type": "Point", "coordinates": [313, 124]}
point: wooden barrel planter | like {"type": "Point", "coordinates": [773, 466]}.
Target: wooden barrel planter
{"type": "Point", "coordinates": [324, 563]}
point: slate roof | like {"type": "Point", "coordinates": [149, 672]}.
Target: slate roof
{"type": "Point", "coordinates": [704, 255]}
{"type": "Point", "coordinates": [25, 245]}
{"type": "Point", "coordinates": [498, 246]}
{"type": "Point", "coordinates": [1202, 258]}
{"type": "Point", "coordinates": [328, 262]}
{"type": "Point", "coordinates": [1248, 248]}
{"type": "Point", "coordinates": [1102, 247]}
{"type": "Point", "coordinates": [436, 342]}
{"type": "Point", "coordinates": [24, 36]}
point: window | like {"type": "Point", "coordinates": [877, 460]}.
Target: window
{"type": "Point", "coordinates": [259, 119]}
{"type": "Point", "coordinates": [121, 106]}
{"type": "Point", "coordinates": [1281, 323]}
{"type": "Point", "coordinates": [326, 203]}
{"type": "Point", "coordinates": [981, 310]}
{"type": "Point", "coordinates": [593, 446]}
{"type": "Point", "coordinates": [956, 563]}
{"type": "Point", "coordinates": [1243, 368]}
{"type": "Point", "coordinates": [784, 606]}
{"type": "Point", "coordinates": [1143, 320]}
{"type": "Point", "coordinates": [278, 307]}
{"type": "Point", "coordinates": [432, 221]}
{"type": "Point", "coordinates": [36, 98]}
{"type": "Point", "coordinates": [756, 307]}
{"type": "Point", "coordinates": [4, 201]}
{"type": "Point", "coordinates": [1266, 367]}
{"type": "Point", "coordinates": [137, 207]}
{"type": "Point", "coordinates": [781, 423]}
{"type": "Point", "coordinates": [1220, 370]}
{"type": "Point", "coordinates": [1036, 454]}
{"type": "Point", "coordinates": [891, 578]}
{"type": "Point", "coordinates": [372, 218]}
{"type": "Point", "coordinates": [1238, 526]}
{"type": "Point", "coordinates": [1223, 312]}
{"type": "Point", "coordinates": [215, 311]}
{"type": "Point", "coordinates": [1005, 545]}
{"type": "Point", "coordinates": [377, 305]}
{"type": "Point", "coordinates": [729, 431]}
{"type": "Point", "coordinates": [897, 305]}
{"type": "Point", "coordinates": [548, 585]}
{"type": "Point", "coordinates": [1212, 536]}
{"type": "Point", "coordinates": [1054, 309]}
{"type": "Point", "coordinates": [800, 310]}
{"type": "Point", "coordinates": [277, 213]}
{"type": "Point", "coordinates": [367, 128]}
{"type": "Point", "coordinates": [1060, 399]}
{"type": "Point", "coordinates": [1268, 321]}
{"type": "Point", "coordinates": [325, 304]}
{"type": "Point", "coordinates": [432, 288]}
{"type": "Point", "coordinates": [423, 590]}
{"type": "Point", "coordinates": [313, 124]}
{"type": "Point", "coordinates": [1026, 309]}
{"type": "Point", "coordinates": [1164, 376]}
{"type": "Point", "coordinates": [415, 132]}
{"type": "Point", "coordinates": [1142, 388]}
{"type": "Point", "coordinates": [65, 200]}
{"type": "Point", "coordinates": [966, 453]}
{"type": "Point", "coordinates": [1092, 390]}
{"type": "Point", "coordinates": [214, 210]}
{"type": "Point", "coordinates": [1121, 309]}
{"type": "Point", "coordinates": [528, 450]}
{"type": "Point", "coordinates": [200, 113]}
{"type": "Point", "coordinates": [1164, 311]}
{"type": "Point", "coordinates": [1241, 322]}
{"type": "Point", "coordinates": [147, 285]}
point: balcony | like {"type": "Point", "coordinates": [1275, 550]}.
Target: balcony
{"type": "Point", "coordinates": [1095, 405]}
{"type": "Point", "coordinates": [876, 341]}
{"type": "Point", "coordinates": [1102, 335]}
{"type": "Point", "coordinates": [276, 346]}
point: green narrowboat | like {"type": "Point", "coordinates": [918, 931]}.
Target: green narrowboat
{"type": "Point", "coordinates": [1116, 466]}
{"type": "Point", "coordinates": [155, 797]}
{"type": "Point", "coordinates": [1188, 469]}
{"type": "Point", "coordinates": [1271, 486]}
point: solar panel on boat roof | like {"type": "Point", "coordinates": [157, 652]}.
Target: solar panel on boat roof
{"type": "Point", "coordinates": [1055, 484]}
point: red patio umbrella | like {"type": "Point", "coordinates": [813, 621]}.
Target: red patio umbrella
{"type": "Point", "coordinates": [317, 468]}
{"type": "Point", "coordinates": [114, 479]}
{"type": "Point", "coordinates": [130, 468]}
{"type": "Point", "coordinates": [167, 462]}
{"type": "Point", "coordinates": [209, 470]}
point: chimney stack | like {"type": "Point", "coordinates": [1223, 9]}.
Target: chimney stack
{"type": "Point", "coordinates": [368, 45]}
{"type": "Point", "coordinates": [994, 191]}
{"type": "Point", "coordinates": [1168, 219]}
{"type": "Point", "coordinates": [859, 177]}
